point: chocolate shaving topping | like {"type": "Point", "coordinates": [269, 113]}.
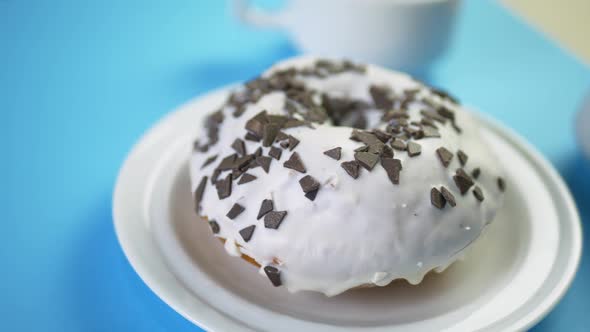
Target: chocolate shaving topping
{"type": "Point", "coordinates": [224, 187]}
{"type": "Point", "coordinates": [269, 134]}
{"type": "Point", "coordinates": [501, 184]}
{"type": "Point", "coordinates": [437, 199]}
{"type": "Point", "coordinates": [275, 152]}
{"type": "Point", "coordinates": [292, 142]}
{"type": "Point", "coordinates": [242, 162]}
{"type": "Point", "coordinates": [398, 144]}
{"type": "Point", "coordinates": [247, 232]}
{"type": "Point", "coordinates": [214, 176]}
{"type": "Point", "coordinates": [199, 193]}
{"type": "Point", "coordinates": [258, 152]}
{"type": "Point", "coordinates": [295, 163]}
{"type": "Point", "coordinates": [246, 177]}
{"type": "Point", "coordinates": [214, 226]}
{"type": "Point", "coordinates": [366, 159]}
{"type": "Point", "coordinates": [352, 168]}
{"type": "Point", "coordinates": [462, 157]}
{"type": "Point", "coordinates": [334, 153]}
{"type": "Point", "coordinates": [265, 207]}
{"type": "Point", "coordinates": [443, 94]}
{"type": "Point", "coordinates": [273, 219]}
{"type": "Point", "coordinates": [380, 97]}
{"type": "Point", "coordinates": [449, 197]}
{"type": "Point", "coordinates": [227, 163]}
{"type": "Point", "coordinates": [392, 168]}
{"type": "Point", "coordinates": [264, 162]}
{"type": "Point", "coordinates": [381, 135]}
{"type": "Point", "coordinates": [414, 149]}
{"type": "Point", "coordinates": [308, 183]}
{"type": "Point", "coordinates": [478, 193]}
{"type": "Point", "coordinates": [444, 155]}
{"type": "Point", "coordinates": [386, 152]}
{"type": "Point", "coordinates": [239, 146]}
{"type": "Point", "coordinates": [236, 173]}
{"type": "Point", "coordinates": [281, 136]}
{"type": "Point", "coordinates": [462, 181]}
{"type": "Point", "coordinates": [274, 275]}
{"type": "Point", "coordinates": [209, 161]}
{"type": "Point", "coordinates": [312, 194]}
{"type": "Point", "coordinates": [251, 137]}
{"type": "Point", "coordinates": [363, 148]}
{"type": "Point", "coordinates": [235, 210]}
{"type": "Point", "coordinates": [431, 115]}
{"type": "Point", "coordinates": [446, 113]}
{"type": "Point", "coordinates": [430, 132]}
{"type": "Point", "coordinates": [475, 173]}
{"type": "Point", "coordinates": [292, 123]}
{"type": "Point", "coordinates": [255, 126]}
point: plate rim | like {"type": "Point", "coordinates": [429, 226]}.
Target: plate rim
{"type": "Point", "coordinates": [220, 321]}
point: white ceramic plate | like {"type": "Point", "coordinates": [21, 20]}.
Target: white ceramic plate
{"type": "Point", "coordinates": [510, 280]}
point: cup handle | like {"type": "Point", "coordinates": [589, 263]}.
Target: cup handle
{"type": "Point", "coordinates": [257, 17]}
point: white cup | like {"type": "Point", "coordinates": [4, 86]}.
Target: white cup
{"type": "Point", "coordinates": [400, 34]}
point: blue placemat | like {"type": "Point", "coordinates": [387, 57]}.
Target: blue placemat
{"type": "Point", "coordinates": [80, 81]}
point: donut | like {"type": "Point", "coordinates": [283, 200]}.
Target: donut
{"type": "Point", "coordinates": [331, 175]}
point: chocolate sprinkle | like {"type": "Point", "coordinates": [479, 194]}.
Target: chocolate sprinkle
{"type": "Point", "coordinates": [478, 193]}
{"type": "Point", "coordinates": [352, 168]}
{"type": "Point", "coordinates": [437, 199]}
{"type": "Point", "coordinates": [224, 187]}
{"type": "Point", "coordinates": [414, 149]}
{"type": "Point", "coordinates": [475, 173]}
{"type": "Point", "coordinates": [235, 211]}
{"type": "Point", "coordinates": [199, 193]}
{"type": "Point", "coordinates": [214, 226]}
{"type": "Point", "coordinates": [209, 161]}
{"type": "Point", "coordinates": [275, 152]}
{"type": "Point", "coordinates": [501, 184]}
{"type": "Point", "coordinates": [239, 147]}
{"type": "Point", "coordinates": [366, 159]}
{"type": "Point", "coordinates": [308, 183]}
{"type": "Point", "coordinates": [334, 153]}
{"type": "Point", "coordinates": [247, 232]}
{"type": "Point", "coordinates": [246, 177]}
{"type": "Point", "coordinates": [273, 219]}
{"type": "Point", "coordinates": [264, 162]}
{"type": "Point", "coordinates": [295, 163]}
{"type": "Point", "coordinates": [463, 181]}
{"type": "Point", "coordinates": [274, 275]}
{"type": "Point", "coordinates": [462, 157]}
{"type": "Point", "coordinates": [392, 168]}
{"type": "Point", "coordinates": [445, 156]}
{"type": "Point", "coordinates": [270, 133]}
{"type": "Point", "coordinates": [449, 197]}
{"type": "Point", "coordinates": [398, 144]}
{"type": "Point", "coordinates": [266, 206]}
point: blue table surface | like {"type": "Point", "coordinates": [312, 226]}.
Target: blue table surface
{"type": "Point", "coordinates": [81, 81]}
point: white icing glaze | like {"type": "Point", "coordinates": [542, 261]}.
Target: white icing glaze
{"type": "Point", "coordinates": [356, 232]}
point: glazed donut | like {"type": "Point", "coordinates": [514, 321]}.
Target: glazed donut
{"type": "Point", "coordinates": [332, 175]}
